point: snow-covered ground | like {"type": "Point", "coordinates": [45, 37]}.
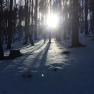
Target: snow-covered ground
{"type": "Point", "coordinates": [45, 69]}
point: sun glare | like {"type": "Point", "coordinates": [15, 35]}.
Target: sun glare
{"type": "Point", "coordinates": [52, 21]}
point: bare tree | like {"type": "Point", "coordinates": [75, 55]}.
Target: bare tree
{"type": "Point", "coordinates": [29, 32]}
{"type": "Point", "coordinates": [86, 16]}
{"type": "Point", "coordinates": [10, 24]}
{"type": "Point", "coordinates": [1, 29]}
{"type": "Point", "coordinates": [36, 19]}
{"type": "Point", "coordinates": [75, 7]}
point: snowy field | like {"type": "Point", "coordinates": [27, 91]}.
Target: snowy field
{"type": "Point", "coordinates": [46, 69]}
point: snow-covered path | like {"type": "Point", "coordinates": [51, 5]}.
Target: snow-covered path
{"type": "Point", "coordinates": [48, 70]}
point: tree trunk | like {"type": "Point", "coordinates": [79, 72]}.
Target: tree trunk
{"type": "Point", "coordinates": [1, 30]}
{"type": "Point", "coordinates": [75, 31]}
{"type": "Point", "coordinates": [75, 25]}
{"type": "Point", "coordinates": [86, 17]}
{"type": "Point", "coordinates": [10, 25]}
{"type": "Point", "coordinates": [32, 26]}
{"type": "Point", "coordinates": [26, 22]}
{"type": "Point", "coordinates": [36, 14]}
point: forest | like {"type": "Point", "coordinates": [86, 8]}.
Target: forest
{"type": "Point", "coordinates": [46, 46]}
{"type": "Point", "coordinates": [26, 19]}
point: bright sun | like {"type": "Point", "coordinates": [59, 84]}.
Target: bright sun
{"type": "Point", "coordinates": [52, 21]}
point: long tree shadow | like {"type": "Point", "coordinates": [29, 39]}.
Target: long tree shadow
{"type": "Point", "coordinates": [41, 58]}
{"type": "Point", "coordinates": [5, 63]}
{"type": "Point", "coordinates": [64, 50]}
{"type": "Point", "coordinates": [59, 44]}
{"type": "Point", "coordinates": [38, 63]}
{"type": "Point", "coordinates": [44, 57]}
{"type": "Point", "coordinates": [26, 55]}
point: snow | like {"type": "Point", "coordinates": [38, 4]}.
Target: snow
{"type": "Point", "coordinates": [45, 69]}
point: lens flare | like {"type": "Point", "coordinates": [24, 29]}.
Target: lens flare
{"type": "Point", "coordinates": [52, 21]}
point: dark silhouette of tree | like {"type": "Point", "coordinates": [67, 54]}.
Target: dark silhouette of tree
{"type": "Point", "coordinates": [86, 16]}
{"type": "Point", "coordinates": [21, 18]}
{"type": "Point", "coordinates": [28, 32]}
{"type": "Point", "coordinates": [10, 24]}
{"type": "Point", "coordinates": [1, 29]}
{"type": "Point", "coordinates": [91, 8]}
{"type": "Point", "coordinates": [32, 22]}
{"type": "Point", "coordinates": [75, 8]}
{"type": "Point", "coordinates": [36, 19]}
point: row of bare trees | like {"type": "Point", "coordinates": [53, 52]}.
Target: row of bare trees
{"type": "Point", "coordinates": [70, 10]}
{"type": "Point", "coordinates": [74, 13]}
{"type": "Point", "coordinates": [7, 22]}
{"type": "Point", "coordinates": [78, 16]}
{"type": "Point", "coordinates": [12, 14]}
